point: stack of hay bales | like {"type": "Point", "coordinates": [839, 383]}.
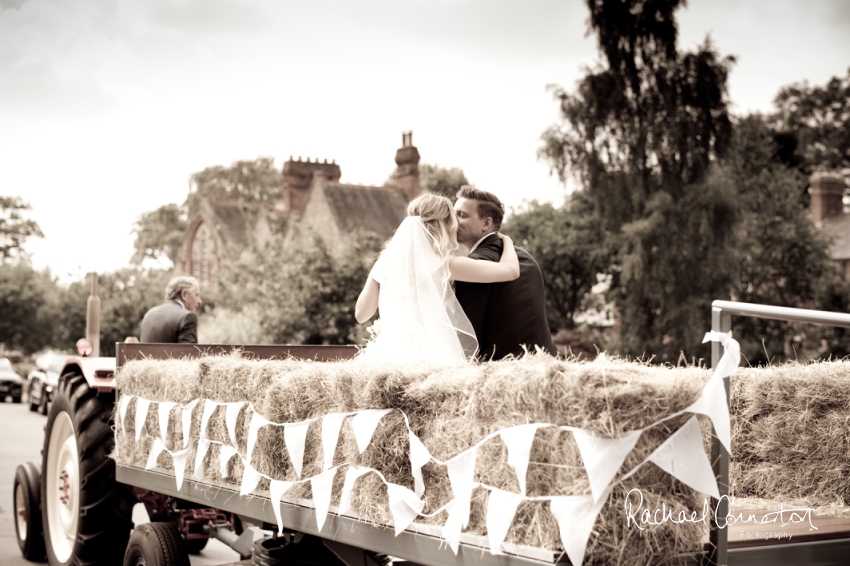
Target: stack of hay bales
{"type": "Point", "coordinates": [450, 409]}
{"type": "Point", "coordinates": [791, 434]}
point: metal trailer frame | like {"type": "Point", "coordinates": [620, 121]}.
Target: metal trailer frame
{"type": "Point", "coordinates": [721, 321]}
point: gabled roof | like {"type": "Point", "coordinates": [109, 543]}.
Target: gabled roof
{"type": "Point", "coordinates": [378, 209]}
{"type": "Point", "coordinates": [233, 219]}
{"type": "Point", "coordinates": [837, 229]}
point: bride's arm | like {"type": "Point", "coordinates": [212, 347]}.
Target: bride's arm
{"type": "Point", "coordinates": [367, 302]}
{"type": "Point", "coordinates": [483, 271]}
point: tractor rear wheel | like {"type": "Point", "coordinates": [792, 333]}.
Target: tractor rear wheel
{"type": "Point", "coordinates": [86, 514]}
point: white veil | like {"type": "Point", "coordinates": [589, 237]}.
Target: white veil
{"type": "Point", "coordinates": [421, 319]}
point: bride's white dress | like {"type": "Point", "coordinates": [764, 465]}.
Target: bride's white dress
{"type": "Point", "coordinates": [420, 318]}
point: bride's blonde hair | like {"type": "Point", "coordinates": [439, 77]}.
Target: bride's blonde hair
{"type": "Point", "coordinates": [438, 217]}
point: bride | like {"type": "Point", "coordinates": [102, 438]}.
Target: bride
{"type": "Point", "coordinates": [411, 285]}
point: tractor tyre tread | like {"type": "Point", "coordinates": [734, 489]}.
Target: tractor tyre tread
{"type": "Point", "coordinates": [105, 506]}
{"type": "Point", "coordinates": [157, 544]}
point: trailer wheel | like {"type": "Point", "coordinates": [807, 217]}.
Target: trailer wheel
{"type": "Point", "coordinates": [86, 514]}
{"type": "Point", "coordinates": [27, 513]}
{"type": "Point", "coordinates": [156, 544]}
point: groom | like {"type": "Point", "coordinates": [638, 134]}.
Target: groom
{"type": "Point", "coordinates": [505, 316]}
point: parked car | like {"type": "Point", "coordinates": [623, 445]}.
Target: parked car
{"type": "Point", "coordinates": [43, 380]}
{"type": "Point", "coordinates": [10, 382]}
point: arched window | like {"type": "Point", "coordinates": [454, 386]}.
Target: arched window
{"type": "Point", "coordinates": [203, 255]}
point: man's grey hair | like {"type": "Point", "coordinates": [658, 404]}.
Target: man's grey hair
{"type": "Point", "coordinates": [179, 284]}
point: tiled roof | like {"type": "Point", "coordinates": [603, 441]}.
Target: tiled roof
{"type": "Point", "coordinates": [379, 209]}
{"type": "Point", "coordinates": [232, 220]}
{"type": "Point", "coordinates": [837, 229]}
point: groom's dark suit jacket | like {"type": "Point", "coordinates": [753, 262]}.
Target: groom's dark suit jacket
{"type": "Point", "coordinates": [506, 316]}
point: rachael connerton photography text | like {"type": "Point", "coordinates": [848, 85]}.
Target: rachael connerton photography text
{"type": "Point", "coordinates": [642, 518]}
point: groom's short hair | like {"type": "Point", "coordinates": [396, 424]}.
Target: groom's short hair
{"type": "Point", "coordinates": [488, 204]}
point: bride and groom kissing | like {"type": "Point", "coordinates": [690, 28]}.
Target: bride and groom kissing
{"type": "Point", "coordinates": [440, 308]}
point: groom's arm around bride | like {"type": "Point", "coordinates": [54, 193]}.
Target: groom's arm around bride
{"type": "Point", "coordinates": [510, 316]}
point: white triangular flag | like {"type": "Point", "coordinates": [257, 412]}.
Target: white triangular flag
{"type": "Point", "coordinates": [364, 424]}
{"type": "Point", "coordinates": [200, 454]}
{"type": "Point", "coordinates": [683, 456]}
{"type": "Point", "coordinates": [351, 476]}
{"type": "Point", "coordinates": [419, 456]}
{"type": "Point", "coordinates": [230, 416]}
{"type": "Point", "coordinates": [518, 440]}
{"type": "Point", "coordinates": [501, 508]}
{"type": "Point", "coordinates": [454, 524]}
{"type": "Point", "coordinates": [224, 455]}
{"type": "Point", "coordinates": [713, 403]}
{"type": "Point", "coordinates": [330, 435]}
{"type": "Point", "coordinates": [179, 459]}
{"type": "Point", "coordinates": [603, 457]}
{"type": "Point", "coordinates": [322, 485]}
{"type": "Point", "coordinates": [404, 505]}
{"type": "Point", "coordinates": [731, 358]}
{"type": "Point", "coordinates": [250, 479]}
{"type": "Point", "coordinates": [142, 406]}
{"type": "Point", "coordinates": [209, 409]}
{"type": "Point", "coordinates": [276, 490]}
{"type": "Point", "coordinates": [122, 408]}
{"type": "Point", "coordinates": [257, 421]}
{"type": "Point", "coordinates": [186, 417]}
{"type": "Point", "coordinates": [163, 412]}
{"type": "Point", "coordinates": [295, 435]}
{"type": "Point", "coordinates": [576, 515]}
{"type": "Point", "coordinates": [156, 450]}
{"type": "Point", "coordinates": [461, 471]}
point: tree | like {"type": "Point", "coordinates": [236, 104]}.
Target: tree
{"type": "Point", "coordinates": [639, 134]}
{"type": "Point", "coordinates": [14, 228]}
{"type": "Point", "coordinates": [306, 294]}
{"type": "Point", "coordinates": [27, 299]}
{"type": "Point", "coordinates": [125, 296]}
{"type": "Point", "coordinates": [256, 180]}
{"type": "Point", "coordinates": [159, 234]}
{"type": "Point", "coordinates": [813, 125]}
{"type": "Point", "coordinates": [782, 258]}
{"type": "Point", "coordinates": [565, 243]}
{"type": "Point", "coordinates": [444, 181]}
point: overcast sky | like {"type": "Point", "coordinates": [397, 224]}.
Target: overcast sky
{"type": "Point", "coordinates": [107, 107]}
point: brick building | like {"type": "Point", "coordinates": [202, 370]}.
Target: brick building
{"type": "Point", "coordinates": [314, 199]}
{"type": "Point", "coordinates": [827, 204]}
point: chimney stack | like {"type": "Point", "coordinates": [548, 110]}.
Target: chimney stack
{"type": "Point", "coordinates": [407, 172]}
{"type": "Point", "coordinates": [296, 180]}
{"type": "Point", "coordinates": [827, 195]}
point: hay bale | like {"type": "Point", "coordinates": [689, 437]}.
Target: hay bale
{"type": "Point", "coordinates": [450, 409]}
{"type": "Point", "coordinates": [791, 433]}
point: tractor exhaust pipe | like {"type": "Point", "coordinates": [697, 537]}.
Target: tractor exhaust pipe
{"type": "Point", "coordinates": [93, 318]}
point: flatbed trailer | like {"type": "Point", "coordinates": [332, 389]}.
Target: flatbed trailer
{"type": "Point", "coordinates": [346, 536]}
{"type": "Point", "coordinates": [353, 542]}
